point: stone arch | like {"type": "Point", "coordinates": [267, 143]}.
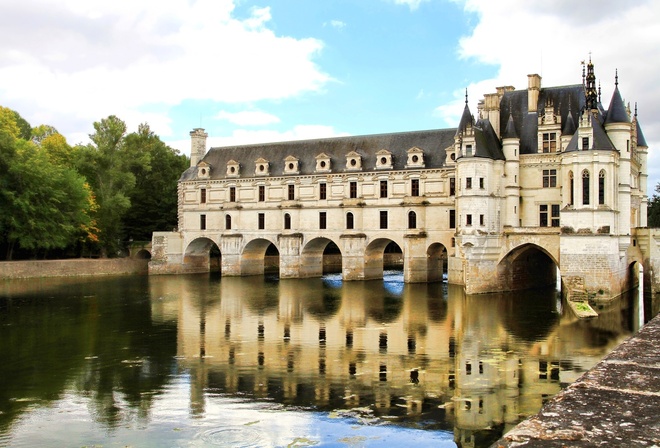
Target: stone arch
{"type": "Point", "coordinates": [143, 254]}
{"type": "Point", "coordinates": [527, 266]}
{"type": "Point", "coordinates": [254, 256]}
{"type": "Point", "coordinates": [202, 255]}
{"type": "Point", "coordinates": [436, 262]}
{"type": "Point", "coordinates": [313, 255]}
{"type": "Point", "coordinates": [374, 257]}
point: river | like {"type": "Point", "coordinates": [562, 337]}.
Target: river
{"type": "Point", "coordinates": [200, 360]}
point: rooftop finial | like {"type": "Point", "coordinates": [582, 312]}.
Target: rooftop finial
{"type": "Point", "coordinates": [616, 77]}
{"type": "Point", "coordinates": [599, 91]}
{"type": "Point", "coordinates": [466, 96]}
{"type": "Point", "coordinates": [635, 109]}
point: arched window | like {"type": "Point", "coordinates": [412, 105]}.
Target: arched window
{"type": "Point", "coordinates": [287, 221]}
{"type": "Point", "coordinates": [228, 222]}
{"type": "Point", "coordinates": [412, 220]}
{"type": "Point", "coordinates": [571, 191]}
{"type": "Point", "coordinates": [585, 187]}
{"type": "Point", "coordinates": [349, 221]}
{"type": "Point", "coordinates": [601, 187]}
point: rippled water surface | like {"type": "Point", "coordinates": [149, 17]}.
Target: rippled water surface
{"type": "Point", "coordinates": [203, 361]}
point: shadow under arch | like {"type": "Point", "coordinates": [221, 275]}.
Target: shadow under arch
{"type": "Point", "coordinates": [527, 266]}
{"type": "Point", "coordinates": [374, 257]}
{"type": "Point", "coordinates": [143, 254]}
{"type": "Point", "coordinates": [202, 255]}
{"type": "Point", "coordinates": [259, 254]}
{"type": "Point", "coordinates": [316, 254]}
{"type": "Point", "coordinates": [436, 262]}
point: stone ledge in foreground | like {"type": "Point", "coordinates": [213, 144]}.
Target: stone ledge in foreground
{"type": "Point", "coordinates": [615, 404]}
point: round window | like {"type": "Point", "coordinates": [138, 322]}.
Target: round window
{"type": "Point", "coordinates": [415, 159]}
{"type": "Point", "coordinates": [353, 162]}
{"type": "Point", "coordinates": [232, 169]}
{"type": "Point", "coordinates": [383, 160]}
{"type": "Point", "coordinates": [290, 166]}
{"type": "Point", "coordinates": [453, 156]}
{"type": "Point", "coordinates": [322, 164]}
{"type": "Point", "coordinates": [203, 170]}
{"type": "Point", "coordinates": [261, 167]}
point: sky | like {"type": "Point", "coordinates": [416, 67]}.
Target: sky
{"type": "Point", "coordinates": [251, 71]}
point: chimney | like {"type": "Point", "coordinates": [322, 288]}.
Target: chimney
{"type": "Point", "coordinates": [533, 89]}
{"type": "Point", "coordinates": [198, 145]}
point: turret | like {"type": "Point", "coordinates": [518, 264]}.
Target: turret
{"type": "Point", "coordinates": [198, 145]}
{"type": "Point", "coordinates": [511, 149]}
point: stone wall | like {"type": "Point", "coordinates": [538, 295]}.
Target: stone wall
{"type": "Point", "coordinates": [71, 268]}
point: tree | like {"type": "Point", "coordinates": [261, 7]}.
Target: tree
{"type": "Point", "coordinates": [24, 128]}
{"type": "Point", "coordinates": [653, 212]}
{"type": "Point", "coordinates": [158, 170]}
{"type": "Point", "coordinates": [8, 122]}
{"type": "Point", "coordinates": [47, 205]}
{"type": "Point", "coordinates": [105, 163]}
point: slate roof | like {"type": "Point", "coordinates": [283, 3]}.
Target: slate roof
{"type": "Point", "coordinates": [600, 140]}
{"type": "Point", "coordinates": [432, 142]}
{"type": "Point", "coordinates": [641, 141]}
{"type": "Point", "coordinates": [617, 112]}
{"type": "Point", "coordinates": [514, 103]}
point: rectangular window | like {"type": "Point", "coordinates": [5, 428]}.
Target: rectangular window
{"type": "Point", "coordinates": [549, 178]}
{"type": "Point", "coordinates": [481, 183]}
{"type": "Point", "coordinates": [323, 222]}
{"type": "Point", "coordinates": [549, 142]}
{"type": "Point", "coordinates": [452, 219]}
{"type": "Point", "coordinates": [468, 183]}
{"type": "Point", "coordinates": [322, 190]}
{"type": "Point", "coordinates": [383, 188]}
{"type": "Point", "coordinates": [383, 219]}
{"type": "Point", "coordinates": [468, 150]}
{"type": "Point", "coordinates": [585, 142]}
{"type": "Point", "coordinates": [414, 187]}
{"type": "Point", "coordinates": [202, 222]}
{"type": "Point", "coordinates": [353, 190]}
{"type": "Point", "coordinates": [202, 196]}
{"type": "Point", "coordinates": [543, 215]}
{"type": "Point", "coordinates": [262, 193]}
{"type": "Point", "coordinates": [452, 186]}
{"type": "Point", "coordinates": [468, 220]}
{"type": "Point", "coordinates": [262, 221]}
{"type": "Point", "coordinates": [232, 194]}
{"type": "Point", "coordinates": [555, 215]}
{"type": "Point", "coordinates": [601, 189]}
{"type": "Point", "coordinates": [481, 220]}
{"type": "Point", "coordinates": [292, 192]}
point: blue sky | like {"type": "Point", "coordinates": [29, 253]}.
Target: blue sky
{"type": "Point", "coordinates": [252, 71]}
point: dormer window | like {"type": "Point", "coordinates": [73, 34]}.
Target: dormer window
{"type": "Point", "coordinates": [468, 150]}
{"type": "Point", "coordinates": [291, 165]}
{"type": "Point", "coordinates": [585, 143]}
{"type": "Point", "coordinates": [383, 159]}
{"type": "Point", "coordinates": [322, 163]}
{"type": "Point", "coordinates": [203, 170]}
{"type": "Point", "coordinates": [233, 168]}
{"type": "Point", "coordinates": [262, 167]}
{"type": "Point", "coordinates": [415, 158]}
{"type": "Point", "coordinates": [549, 142]}
{"type": "Point", "coordinates": [353, 161]}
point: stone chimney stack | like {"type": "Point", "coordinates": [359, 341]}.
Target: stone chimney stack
{"type": "Point", "coordinates": [533, 89]}
{"type": "Point", "coordinates": [198, 145]}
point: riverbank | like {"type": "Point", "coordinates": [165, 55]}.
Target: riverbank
{"type": "Point", "coordinates": [616, 403]}
{"type": "Point", "coordinates": [72, 268]}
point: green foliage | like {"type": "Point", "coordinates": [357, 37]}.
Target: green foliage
{"type": "Point", "coordinates": [24, 128]}
{"type": "Point", "coordinates": [88, 198]}
{"type": "Point", "coordinates": [158, 170]}
{"type": "Point", "coordinates": [105, 163]}
{"type": "Point", "coordinates": [46, 204]}
{"type": "Point", "coordinates": [653, 212]}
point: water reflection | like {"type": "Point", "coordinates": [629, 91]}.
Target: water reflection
{"type": "Point", "coordinates": [412, 356]}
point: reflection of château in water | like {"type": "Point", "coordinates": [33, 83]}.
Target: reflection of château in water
{"type": "Point", "coordinates": [302, 341]}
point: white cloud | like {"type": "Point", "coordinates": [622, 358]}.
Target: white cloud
{"type": "Point", "coordinates": [248, 117]}
{"type": "Point", "coordinates": [74, 62]}
{"type": "Point", "coordinates": [245, 136]}
{"type": "Point", "coordinates": [337, 24]}
{"type": "Point", "coordinates": [412, 4]}
{"type": "Point", "coordinates": [551, 38]}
